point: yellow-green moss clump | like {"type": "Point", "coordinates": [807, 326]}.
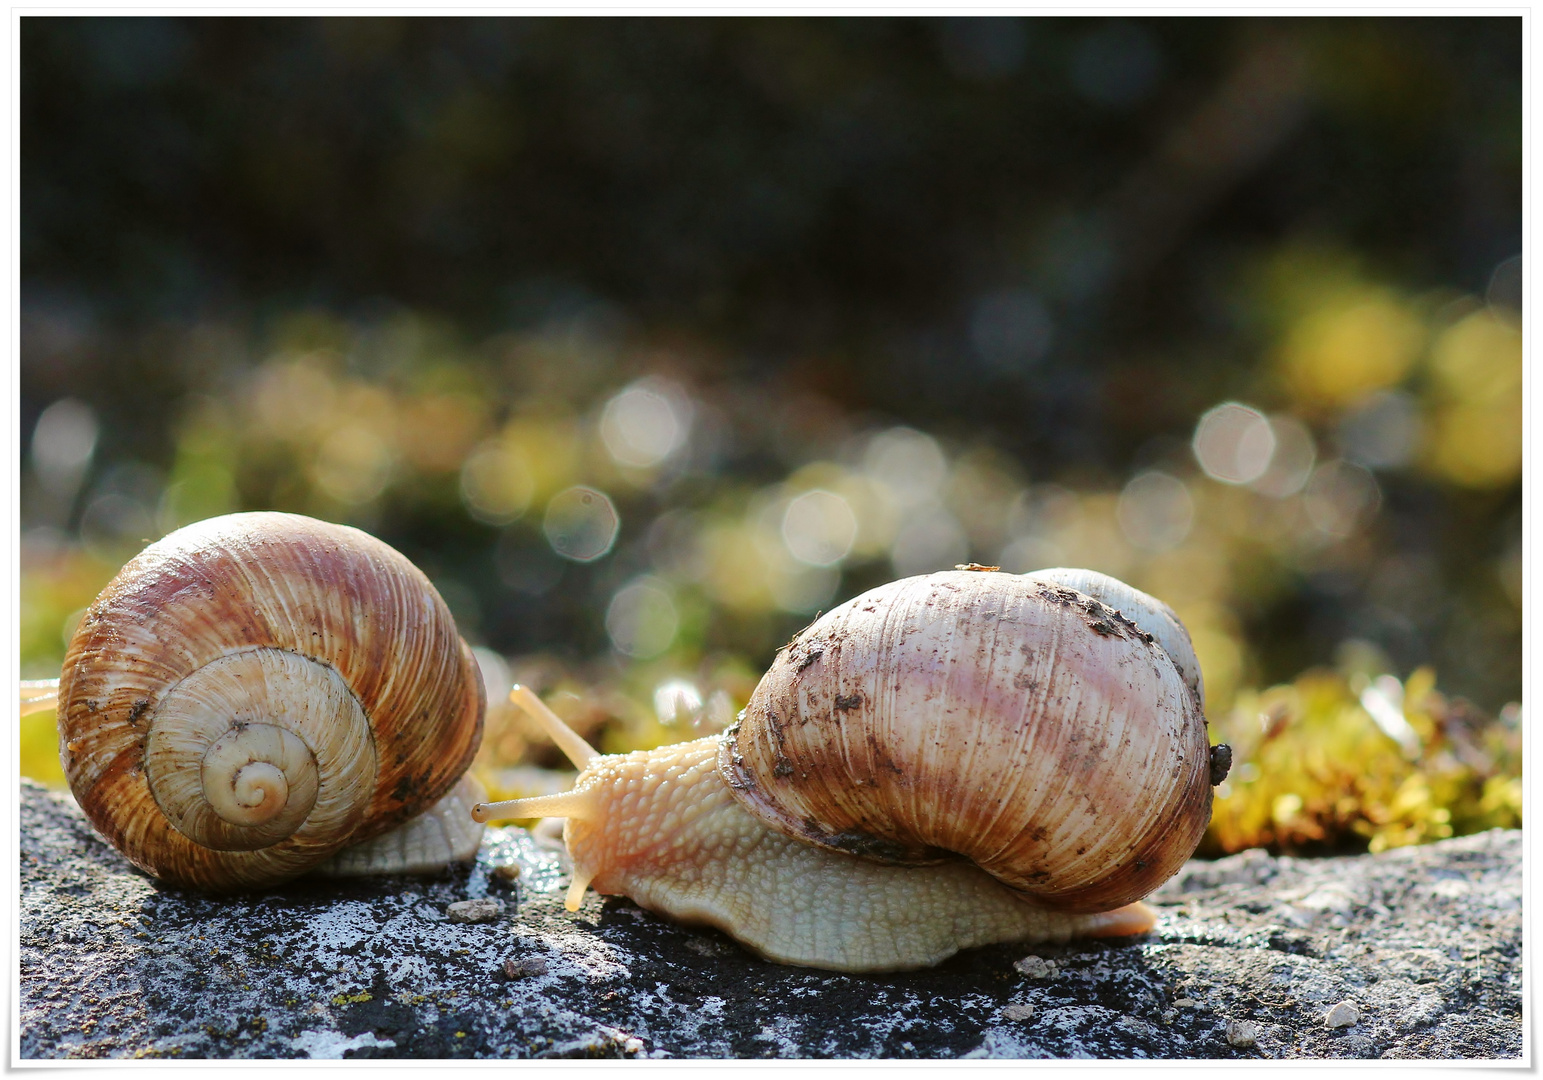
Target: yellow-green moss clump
{"type": "Point", "coordinates": [1331, 763]}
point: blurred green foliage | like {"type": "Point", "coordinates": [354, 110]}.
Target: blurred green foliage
{"type": "Point", "coordinates": [649, 339]}
{"type": "Point", "coordinates": [1323, 766]}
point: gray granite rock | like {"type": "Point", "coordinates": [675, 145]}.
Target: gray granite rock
{"type": "Point", "coordinates": [1250, 955]}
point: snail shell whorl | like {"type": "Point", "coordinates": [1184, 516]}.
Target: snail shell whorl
{"type": "Point", "coordinates": [256, 691]}
{"type": "Point", "coordinates": [1016, 722]}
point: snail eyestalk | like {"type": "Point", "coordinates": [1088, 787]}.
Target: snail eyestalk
{"type": "Point", "coordinates": [38, 695]}
{"type": "Point", "coordinates": [566, 804]}
{"type": "Point", "coordinates": [568, 741]}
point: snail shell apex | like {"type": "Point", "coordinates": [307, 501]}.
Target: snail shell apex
{"type": "Point", "coordinates": [1012, 721]}
{"type": "Point", "coordinates": [256, 691]}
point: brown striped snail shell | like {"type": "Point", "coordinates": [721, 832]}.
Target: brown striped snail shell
{"type": "Point", "coordinates": [1021, 724]}
{"type": "Point", "coordinates": [256, 692]}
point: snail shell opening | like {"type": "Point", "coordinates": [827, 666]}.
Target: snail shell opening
{"type": "Point", "coordinates": [1015, 722]}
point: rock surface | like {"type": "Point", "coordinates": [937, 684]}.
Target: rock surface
{"type": "Point", "coordinates": [1250, 956]}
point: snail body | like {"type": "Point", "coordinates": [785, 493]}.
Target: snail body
{"type": "Point", "coordinates": [945, 761]}
{"type": "Point", "coordinates": [254, 693]}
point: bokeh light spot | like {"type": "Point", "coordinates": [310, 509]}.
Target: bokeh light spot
{"type": "Point", "coordinates": [645, 423]}
{"type": "Point", "coordinates": [1118, 64]}
{"type": "Point", "coordinates": [352, 465]}
{"type": "Point", "coordinates": [909, 464]}
{"type": "Point", "coordinates": [1155, 511]}
{"type": "Point", "coordinates": [932, 541]}
{"type": "Point", "coordinates": [819, 528]}
{"type": "Point", "coordinates": [1291, 463]}
{"type": "Point", "coordinates": [116, 523]}
{"type": "Point", "coordinates": [982, 48]}
{"type": "Point", "coordinates": [496, 679]}
{"type": "Point", "coordinates": [1341, 497]}
{"type": "Point", "coordinates": [1383, 432]}
{"type": "Point", "coordinates": [496, 483]}
{"type": "Point", "coordinates": [292, 399]}
{"type": "Point", "coordinates": [803, 589]}
{"type": "Point", "coordinates": [1339, 353]}
{"type": "Point", "coordinates": [1011, 330]}
{"type": "Point", "coordinates": [63, 442]}
{"type": "Point", "coordinates": [1476, 433]}
{"type": "Point", "coordinates": [581, 524]}
{"type": "Point", "coordinates": [1234, 443]}
{"type": "Point", "coordinates": [641, 619]}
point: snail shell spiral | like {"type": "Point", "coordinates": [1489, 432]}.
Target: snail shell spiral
{"type": "Point", "coordinates": [254, 692]}
{"type": "Point", "coordinates": [1015, 722]}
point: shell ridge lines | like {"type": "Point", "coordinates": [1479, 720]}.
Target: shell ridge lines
{"type": "Point", "coordinates": [1009, 771]}
{"type": "Point", "coordinates": [1061, 789]}
{"type": "Point", "coordinates": [942, 756]}
{"type": "Point", "coordinates": [918, 605]}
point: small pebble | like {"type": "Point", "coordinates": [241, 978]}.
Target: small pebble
{"type": "Point", "coordinates": [1018, 1012]}
{"type": "Point", "coordinates": [507, 871]}
{"type": "Point", "coordinates": [482, 910]}
{"type": "Point", "coordinates": [1342, 1015]}
{"type": "Point", "coordinates": [1035, 967]}
{"type": "Point", "coordinates": [1185, 1002]}
{"type": "Point", "coordinates": [1242, 1033]}
{"type": "Point", "coordinates": [527, 968]}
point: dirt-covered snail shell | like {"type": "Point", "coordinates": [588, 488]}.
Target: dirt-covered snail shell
{"type": "Point", "coordinates": [254, 693]}
{"type": "Point", "coordinates": [944, 761]}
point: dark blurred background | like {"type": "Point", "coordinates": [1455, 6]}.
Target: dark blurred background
{"type": "Point", "coordinates": [650, 338]}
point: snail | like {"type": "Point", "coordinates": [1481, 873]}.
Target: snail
{"type": "Point", "coordinates": [945, 761]}
{"type": "Point", "coordinates": [260, 695]}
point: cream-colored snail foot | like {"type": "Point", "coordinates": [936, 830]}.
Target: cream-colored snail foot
{"type": "Point", "coordinates": [443, 834]}
{"type": "Point", "coordinates": [1127, 921]}
{"type": "Point", "coordinates": [666, 831]}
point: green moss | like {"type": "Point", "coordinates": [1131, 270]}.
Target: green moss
{"type": "Point", "coordinates": [1330, 762]}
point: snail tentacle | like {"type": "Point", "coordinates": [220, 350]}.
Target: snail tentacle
{"type": "Point", "coordinates": [570, 742]}
{"type": "Point", "coordinates": [564, 804]}
{"type": "Point", "coordinates": [38, 695]}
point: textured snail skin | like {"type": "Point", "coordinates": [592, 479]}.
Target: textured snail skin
{"type": "Point", "coordinates": [663, 828]}
{"type": "Point", "coordinates": [945, 761]}
{"type": "Point", "coordinates": [254, 692]}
